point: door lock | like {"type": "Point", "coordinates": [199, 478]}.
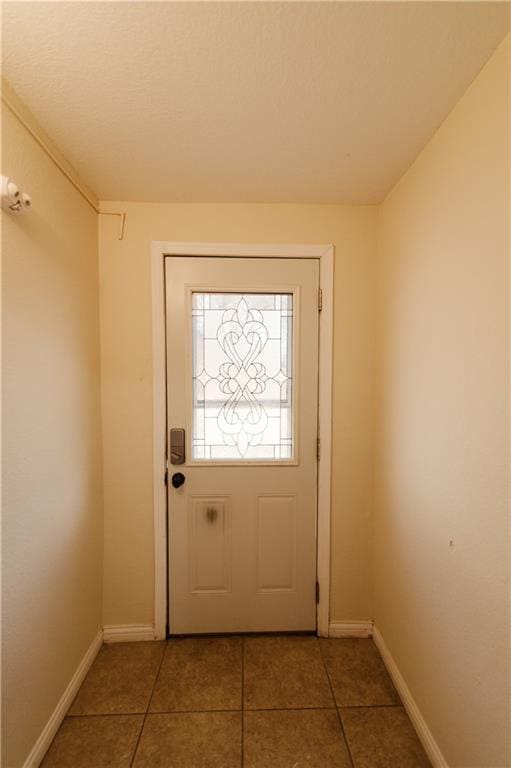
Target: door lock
{"type": "Point", "coordinates": [177, 479]}
{"type": "Point", "coordinates": [177, 446]}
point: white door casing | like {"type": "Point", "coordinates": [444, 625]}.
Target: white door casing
{"type": "Point", "coordinates": [279, 503]}
{"type": "Point", "coordinates": [242, 376]}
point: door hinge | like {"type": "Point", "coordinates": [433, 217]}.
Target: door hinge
{"type": "Point", "coordinates": [318, 449]}
{"type": "Point", "coordinates": [320, 299]}
{"type": "Point", "coordinates": [317, 592]}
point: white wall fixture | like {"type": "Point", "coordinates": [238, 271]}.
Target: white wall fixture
{"type": "Point", "coordinates": [21, 113]}
{"type": "Point", "coordinates": [13, 199]}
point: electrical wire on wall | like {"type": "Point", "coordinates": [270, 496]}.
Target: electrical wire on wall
{"type": "Point", "coordinates": [18, 202]}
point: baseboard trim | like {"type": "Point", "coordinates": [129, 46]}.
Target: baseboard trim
{"type": "Point", "coordinates": [50, 729]}
{"type": "Point", "coordinates": [122, 633]}
{"type": "Point", "coordinates": [428, 742]}
{"type": "Point", "coordinates": [350, 629]}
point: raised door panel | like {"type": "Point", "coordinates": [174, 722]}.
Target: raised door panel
{"type": "Point", "coordinates": [276, 543]}
{"type": "Point", "coordinates": [209, 545]}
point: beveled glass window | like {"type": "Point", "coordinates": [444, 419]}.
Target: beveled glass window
{"type": "Point", "coordinates": [242, 376]}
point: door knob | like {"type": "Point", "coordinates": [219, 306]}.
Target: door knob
{"type": "Point", "coordinates": [178, 479]}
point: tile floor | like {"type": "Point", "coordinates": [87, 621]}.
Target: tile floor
{"type": "Point", "coordinates": [225, 702]}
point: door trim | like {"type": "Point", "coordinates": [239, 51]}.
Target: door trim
{"type": "Point", "coordinates": [325, 255]}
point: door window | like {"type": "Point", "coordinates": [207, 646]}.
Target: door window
{"type": "Point", "coordinates": [242, 348]}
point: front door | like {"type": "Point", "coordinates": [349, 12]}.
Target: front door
{"type": "Point", "coordinates": [242, 393]}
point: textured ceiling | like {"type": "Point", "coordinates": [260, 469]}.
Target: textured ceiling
{"type": "Point", "coordinates": [246, 101]}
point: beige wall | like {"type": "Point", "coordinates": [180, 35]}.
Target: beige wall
{"type": "Point", "coordinates": [440, 395]}
{"type": "Point", "coordinates": [127, 383]}
{"type": "Point", "coordinates": [52, 535]}
{"type": "Point", "coordinates": [442, 443]}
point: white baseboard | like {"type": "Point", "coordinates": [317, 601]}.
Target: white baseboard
{"type": "Point", "coordinates": [428, 742]}
{"type": "Point", "coordinates": [50, 729]}
{"type": "Point", "coordinates": [122, 633]}
{"type": "Point", "coordinates": [350, 629]}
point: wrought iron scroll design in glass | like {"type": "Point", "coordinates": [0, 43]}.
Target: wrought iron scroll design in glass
{"type": "Point", "coordinates": [242, 346]}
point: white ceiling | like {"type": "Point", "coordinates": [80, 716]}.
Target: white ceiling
{"type": "Point", "coordinates": [245, 101]}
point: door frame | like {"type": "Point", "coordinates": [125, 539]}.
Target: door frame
{"type": "Point", "coordinates": [325, 255]}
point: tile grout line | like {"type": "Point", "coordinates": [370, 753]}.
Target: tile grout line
{"type": "Point", "coordinates": [214, 711]}
{"type": "Point", "coordinates": [350, 756]}
{"type": "Point", "coordinates": [254, 709]}
{"type": "Point", "coordinates": [148, 705]}
{"type": "Point", "coordinates": [370, 706]}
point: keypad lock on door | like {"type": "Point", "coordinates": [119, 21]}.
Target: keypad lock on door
{"type": "Point", "coordinates": [177, 446]}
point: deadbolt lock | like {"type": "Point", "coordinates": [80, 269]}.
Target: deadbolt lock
{"type": "Point", "coordinates": [177, 446]}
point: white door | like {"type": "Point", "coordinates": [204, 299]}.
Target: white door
{"type": "Point", "coordinates": [242, 378]}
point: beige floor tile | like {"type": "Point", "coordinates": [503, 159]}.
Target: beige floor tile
{"type": "Point", "coordinates": [285, 672]}
{"type": "Point", "coordinates": [95, 742]}
{"type": "Point", "coordinates": [382, 737]}
{"type": "Point", "coordinates": [120, 681]}
{"type": "Point", "coordinates": [294, 739]}
{"type": "Point", "coordinates": [199, 674]}
{"type": "Point", "coordinates": [190, 740]}
{"type": "Point", "coordinates": [357, 673]}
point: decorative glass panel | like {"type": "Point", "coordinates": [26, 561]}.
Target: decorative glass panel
{"type": "Point", "coordinates": [242, 376]}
